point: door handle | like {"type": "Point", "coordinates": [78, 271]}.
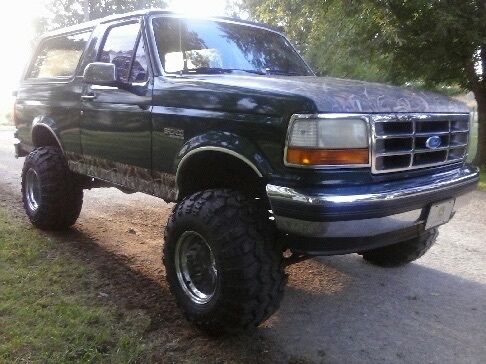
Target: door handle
{"type": "Point", "coordinates": [89, 96]}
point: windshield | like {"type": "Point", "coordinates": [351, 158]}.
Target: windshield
{"type": "Point", "coordinates": [207, 46]}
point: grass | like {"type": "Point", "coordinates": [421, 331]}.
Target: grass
{"type": "Point", "coordinates": [50, 309]}
{"type": "Point", "coordinates": [482, 181]}
{"type": "Point", "coordinates": [473, 145]}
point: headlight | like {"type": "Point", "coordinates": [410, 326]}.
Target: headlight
{"type": "Point", "coordinates": [315, 141]}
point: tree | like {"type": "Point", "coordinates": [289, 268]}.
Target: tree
{"type": "Point", "coordinates": [430, 42]}
{"type": "Point", "coordinates": [69, 12]}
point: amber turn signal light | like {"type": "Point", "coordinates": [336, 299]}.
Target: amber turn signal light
{"type": "Point", "coordinates": [313, 157]}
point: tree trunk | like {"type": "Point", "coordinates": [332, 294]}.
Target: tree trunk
{"type": "Point", "coordinates": [480, 96]}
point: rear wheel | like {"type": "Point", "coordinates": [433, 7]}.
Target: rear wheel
{"type": "Point", "coordinates": [402, 253]}
{"type": "Point", "coordinates": [222, 262]}
{"type": "Point", "coordinates": [51, 195]}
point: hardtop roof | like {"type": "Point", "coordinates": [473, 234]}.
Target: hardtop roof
{"type": "Point", "coordinates": [147, 12]}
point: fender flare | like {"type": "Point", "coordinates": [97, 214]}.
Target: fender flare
{"type": "Point", "coordinates": [48, 124]}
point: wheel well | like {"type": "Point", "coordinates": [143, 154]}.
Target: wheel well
{"type": "Point", "coordinates": [212, 169]}
{"type": "Point", "coordinates": [44, 137]}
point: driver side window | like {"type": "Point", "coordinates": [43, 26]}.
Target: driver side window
{"type": "Point", "coordinates": [119, 48]}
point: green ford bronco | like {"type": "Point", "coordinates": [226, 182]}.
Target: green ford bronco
{"type": "Point", "coordinates": [266, 163]}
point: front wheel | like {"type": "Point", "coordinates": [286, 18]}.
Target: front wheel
{"type": "Point", "coordinates": [402, 253]}
{"type": "Point", "coordinates": [222, 263]}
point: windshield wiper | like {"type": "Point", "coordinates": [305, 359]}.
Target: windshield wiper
{"type": "Point", "coordinates": [204, 70]}
{"type": "Point", "coordinates": [217, 70]}
{"type": "Point", "coordinates": [281, 72]}
{"type": "Point", "coordinates": [256, 72]}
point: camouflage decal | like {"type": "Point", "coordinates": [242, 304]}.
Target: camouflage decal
{"type": "Point", "coordinates": [334, 95]}
{"type": "Point", "coordinates": [164, 184]}
{"type": "Point", "coordinates": [134, 178]}
{"type": "Point", "coordinates": [340, 95]}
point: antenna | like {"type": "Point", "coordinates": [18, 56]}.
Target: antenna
{"type": "Point", "coordinates": [86, 10]}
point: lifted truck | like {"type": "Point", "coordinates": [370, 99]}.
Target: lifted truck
{"type": "Point", "coordinates": [224, 118]}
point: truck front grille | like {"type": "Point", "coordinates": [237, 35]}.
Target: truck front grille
{"type": "Point", "coordinates": [403, 142]}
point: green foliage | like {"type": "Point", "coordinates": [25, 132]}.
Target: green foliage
{"type": "Point", "coordinates": [50, 310]}
{"type": "Point", "coordinates": [436, 41]}
{"type": "Point", "coordinates": [482, 182]}
{"type": "Point", "coordinates": [330, 34]}
{"type": "Point", "coordinates": [339, 50]}
{"type": "Point", "coordinates": [432, 42]}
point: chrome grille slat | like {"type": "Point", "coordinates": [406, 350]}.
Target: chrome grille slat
{"type": "Point", "coordinates": [450, 139]}
{"type": "Point", "coordinates": [417, 151]}
{"type": "Point", "coordinates": [399, 142]}
{"type": "Point", "coordinates": [396, 136]}
{"type": "Point", "coordinates": [433, 133]}
{"type": "Point", "coordinates": [413, 142]}
{"type": "Point", "coordinates": [405, 152]}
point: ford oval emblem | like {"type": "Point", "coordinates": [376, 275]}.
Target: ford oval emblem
{"type": "Point", "coordinates": [433, 142]}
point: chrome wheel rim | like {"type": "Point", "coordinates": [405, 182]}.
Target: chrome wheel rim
{"type": "Point", "coordinates": [32, 189]}
{"type": "Point", "coordinates": [196, 267]}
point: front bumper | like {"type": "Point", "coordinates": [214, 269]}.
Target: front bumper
{"type": "Point", "coordinates": [366, 212]}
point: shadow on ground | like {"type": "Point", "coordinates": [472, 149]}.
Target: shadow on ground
{"type": "Point", "coordinates": [411, 314]}
{"type": "Point", "coordinates": [177, 340]}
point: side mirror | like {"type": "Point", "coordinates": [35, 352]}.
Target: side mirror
{"type": "Point", "coordinates": [99, 73]}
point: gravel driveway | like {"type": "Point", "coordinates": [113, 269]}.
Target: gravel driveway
{"type": "Point", "coordinates": [336, 309]}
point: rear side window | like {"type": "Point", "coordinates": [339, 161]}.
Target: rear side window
{"type": "Point", "coordinates": [124, 48]}
{"type": "Point", "coordinates": [59, 56]}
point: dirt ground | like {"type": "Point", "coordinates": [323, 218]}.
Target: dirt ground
{"type": "Point", "coordinates": [336, 309]}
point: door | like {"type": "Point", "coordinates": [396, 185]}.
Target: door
{"type": "Point", "coordinates": [116, 122]}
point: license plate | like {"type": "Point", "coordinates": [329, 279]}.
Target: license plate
{"type": "Point", "coordinates": [439, 213]}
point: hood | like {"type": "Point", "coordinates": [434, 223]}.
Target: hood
{"type": "Point", "coordinates": [333, 95]}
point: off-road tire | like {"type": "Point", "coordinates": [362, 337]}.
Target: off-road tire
{"type": "Point", "coordinates": [402, 253]}
{"type": "Point", "coordinates": [251, 277]}
{"type": "Point", "coordinates": [61, 196]}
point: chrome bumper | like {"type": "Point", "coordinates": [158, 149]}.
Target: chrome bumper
{"type": "Point", "coordinates": [379, 209]}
